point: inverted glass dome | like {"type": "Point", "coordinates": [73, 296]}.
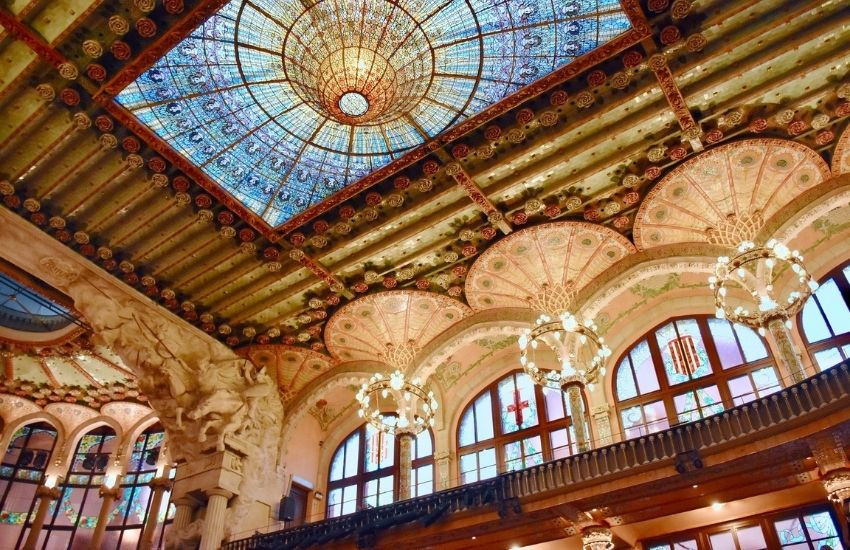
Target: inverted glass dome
{"type": "Point", "coordinates": [284, 102]}
{"type": "Point", "coordinates": [25, 310]}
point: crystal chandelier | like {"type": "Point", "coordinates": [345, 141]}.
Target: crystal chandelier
{"type": "Point", "coordinates": [572, 345]}
{"type": "Point", "coordinates": [413, 404]}
{"type": "Point", "coordinates": [754, 273]}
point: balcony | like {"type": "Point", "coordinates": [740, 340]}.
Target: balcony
{"type": "Point", "coordinates": [820, 402]}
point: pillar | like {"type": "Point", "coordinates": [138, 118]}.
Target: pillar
{"type": "Point", "coordinates": [107, 499]}
{"type": "Point", "coordinates": [577, 410]}
{"type": "Point", "coordinates": [442, 475]}
{"type": "Point", "coordinates": [788, 354]}
{"type": "Point", "coordinates": [45, 496]}
{"type": "Point", "coordinates": [183, 511]}
{"type": "Point", "coordinates": [405, 464]}
{"type": "Point", "coordinates": [214, 519]}
{"type": "Point", "coordinates": [158, 487]}
{"type": "Point", "coordinates": [602, 419]}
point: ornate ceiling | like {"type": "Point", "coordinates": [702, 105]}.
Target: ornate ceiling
{"type": "Point", "coordinates": [586, 143]}
{"type": "Point", "coordinates": [544, 267]}
{"type": "Point", "coordinates": [390, 327]}
{"type": "Point", "coordinates": [725, 195]}
{"type": "Point", "coordinates": [284, 105]}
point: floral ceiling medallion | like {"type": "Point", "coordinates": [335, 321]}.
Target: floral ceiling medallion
{"type": "Point", "coordinates": [285, 103]}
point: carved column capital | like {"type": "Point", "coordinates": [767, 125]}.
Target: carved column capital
{"type": "Point", "coordinates": [218, 491]}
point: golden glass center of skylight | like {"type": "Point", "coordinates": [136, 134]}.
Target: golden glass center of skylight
{"type": "Point", "coordinates": [285, 102]}
{"type": "Point", "coordinates": [360, 62]}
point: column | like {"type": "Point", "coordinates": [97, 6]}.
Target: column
{"type": "Point", "coordinates": [45, 495]}
{"type": "Point", "coordinates": [577, 409]}
{"type": "Point", "coordinates": [183, 511]}
{"type": "Point", "coordinates": [405, 464]}
{"type": "Point", "coordinates": [214, 519]}
{"type": "Point", "coordinates": [443, 464]}
{"type": "Point", "coordinates": [788, 354]}
{"type": "Point", "coordinates": [158, 487]}
{"type": "Point", "coordinates": [107, 498]}
{"type": "Point", "coordinates": [602, 419]}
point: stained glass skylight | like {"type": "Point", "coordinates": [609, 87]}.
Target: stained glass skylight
{"type": "Point", "coordinates": [284, 102]}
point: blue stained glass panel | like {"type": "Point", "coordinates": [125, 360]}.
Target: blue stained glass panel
{"type": "Point", "coordinates": [261, 96]}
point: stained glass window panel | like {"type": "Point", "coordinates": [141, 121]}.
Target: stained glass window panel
{"type": "Point", "coordinates": [722, 541]}
{"type": "Point", "coordinates": [352, 447]}
{"type": "Point", "coordinates": [725, 342]}
{"type": "Point", "coordinates": [828, 358]}
{"type": "Point", "coordinates": [644, 368]}
{"type": "Point", "coordinates": [626, 387]}
{"type": "Point", "coordinates": [423, 445]}
{"type": "Point", "coordinates": [554, 404]}
{"type": "Point", "coordinates": [336, 464]}
{"type": "Point", "coordinates": [682, 351]}
{"type": "Point", "coordinates": [814, 323]}
{"type": "Point", "coordinates": [832, 303]}
{"type": "Point", "coordinates": [466, 432]}
{"type": "Point", "coordinates": [518, 407]}
{"type": "Point", "coordinates": [283, 106]}
{"type": "Point", "coordinates": [815, 531]}
{"type": "Point", "coordinates": [379, 449]}
{"type": "Point", "coordinates": [484, 418]}
{"type": "Point", "coordinates": [422, 481]}
{"type": "Point", "coordinates": [751, 538]}
{"type": "Point", "coordinates": [752, 344]}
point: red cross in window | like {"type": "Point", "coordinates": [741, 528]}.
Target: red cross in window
{"type": "Point", "coordinates": [517, 406]}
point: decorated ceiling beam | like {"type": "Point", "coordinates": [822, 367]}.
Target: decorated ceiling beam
{"type": "Point", "coordinates": [463, 179]}
{"type": "Point", "coordinates": [69, 71]}
{"type": "Point", "coordinates": [177, 32]}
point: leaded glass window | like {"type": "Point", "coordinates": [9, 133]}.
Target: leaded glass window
{"type": "Point", "coordinates": [283, 103]}
{"type": "Point", "coordinates": [364, 470]}
{"type": "Point", "coordinates": [514, 424]}
{"type": "Point", "coordinates": [21, 472]}
{"type": "Point", "coordinates": [690, 368]}
{"type": "Point", "coordinates": [825, 320]}
{"type": "Point", "coordinates": [812, 530]}
{"type": "Point", "coordinates": [71, 520]}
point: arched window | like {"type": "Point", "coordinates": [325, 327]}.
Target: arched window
{"type": "Point", "coordinates": [21, 472]}
{"type": "Point", "coordinates": [131, 512]}
{"type": "Point", "coordinates": [690, 368]}
{"type": "Point", "coordinates": [364, 470]}
{"type": "Point", "coordinates": [72, 519]}
{"type": "Point", "coordinates": [826, 319]}
{"type": "Point", "coordinates": [511, 425]}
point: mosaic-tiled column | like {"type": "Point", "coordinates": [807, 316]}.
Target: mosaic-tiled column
{"type": "Point", "coordinates": [788, 354]}
{"type": "Point", "coordinates": [405, 464]}
{"type": "Point", "coordinates": [577, 410]}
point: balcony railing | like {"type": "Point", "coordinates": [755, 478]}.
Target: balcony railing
{"type": "Point", "coordinates": [503, 493]}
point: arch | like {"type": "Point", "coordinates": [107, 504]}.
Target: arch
{"type": "Point", "coordinates": [726, 194]}
{"type": "Point", "coordinates": [511, 424]}
{"type": "Point", "coordinates": [841, 154]}
{"type": "Point", "coordinates": [543, 267]}
{"type": "Point", "coordinates": [83, 429]}
{"type": "Point", "coordinates": [824, 320]}
{"type": "Point", "coordinates": [40, 416]}
{"type": "Point", "coordinates": [364, 470]}
{"type": "Point", "coordinates": [134, 432]}
{"type": "Point", "coordinates": [686, 368]}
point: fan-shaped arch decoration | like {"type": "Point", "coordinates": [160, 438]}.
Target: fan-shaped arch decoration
{"type": "Point", "coordinates": [390, 326]}
{"type": "Point", "coordinates": [292, 367]}
{"type": "Point", "coordinates": [543, 267]}
{"type": "Point", "coordinates": [841, 156]}
{"type": "Point", "coordinates": [725, 195]}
